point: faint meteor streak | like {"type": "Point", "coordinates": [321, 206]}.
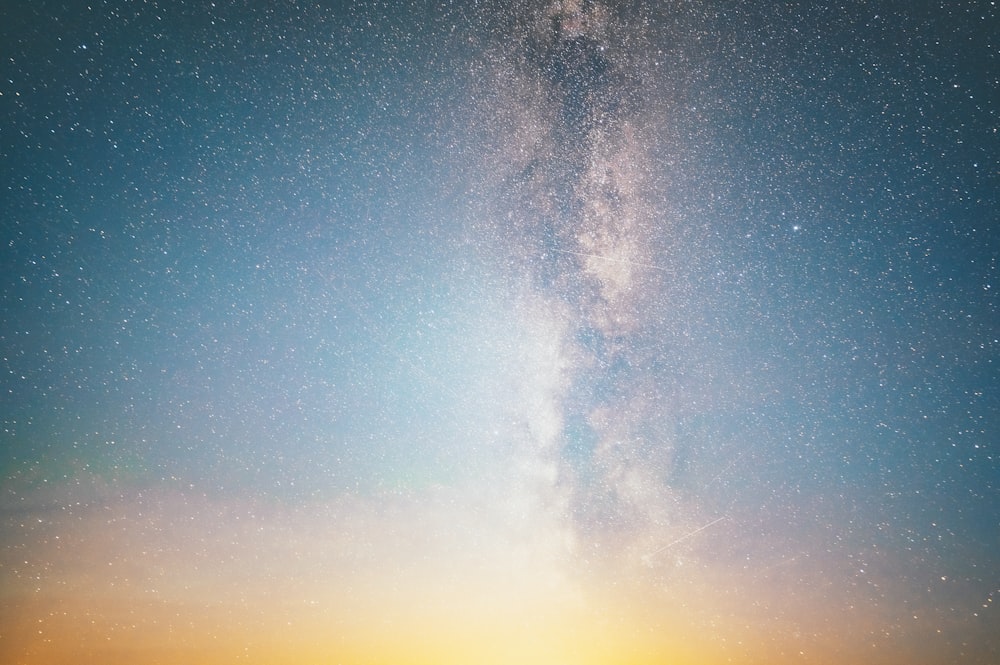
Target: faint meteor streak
{"type": "Point", "coordinates": [684, 537]}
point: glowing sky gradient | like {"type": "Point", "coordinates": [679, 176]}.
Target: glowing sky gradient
{"type": "Point", "coordinates": [500, 332]}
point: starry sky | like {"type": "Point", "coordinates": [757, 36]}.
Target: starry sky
{"type": "Point", "coordinates": [528, 331]}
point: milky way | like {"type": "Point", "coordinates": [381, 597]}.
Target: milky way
{"type": "Point", "coordinates": [500, 332]}
{"type": "Point", "coordinates": [576, 194]}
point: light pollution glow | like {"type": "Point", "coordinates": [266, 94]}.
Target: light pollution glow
{"type": "Point", "coordinates": [158, 576]}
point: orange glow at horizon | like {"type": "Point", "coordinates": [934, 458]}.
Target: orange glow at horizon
{"type": "Point", "coordinates": [397, 589]}
{"type": "Point", "coordinates": [120, 630]}
{"type": "Point", "coordinates": [166, 578]}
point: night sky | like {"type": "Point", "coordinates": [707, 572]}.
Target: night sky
{"type": "Point", "coordinates": [500, 332]}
